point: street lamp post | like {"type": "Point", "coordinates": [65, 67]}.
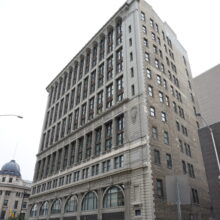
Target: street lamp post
{"type": "Point", "coordinates": [18, 116]}
{"type": "Point", "coordinates": [213, 142]}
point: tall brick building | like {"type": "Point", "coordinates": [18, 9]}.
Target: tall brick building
{"type": "Point", "coordinates": [119, 124]}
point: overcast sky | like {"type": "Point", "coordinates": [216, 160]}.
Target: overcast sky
{"type": "Point", "coordinates": [39, 37]}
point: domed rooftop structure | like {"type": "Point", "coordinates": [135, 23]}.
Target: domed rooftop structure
{"type": "Point", "coordinates": [11, 168]}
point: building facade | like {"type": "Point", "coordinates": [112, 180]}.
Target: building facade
{"type": "Point", "coordinates": [207, 90]}
{"type": "Point", "coordinates": [14, 192]}
{"type": "Point", "coordinates": [119, 122]}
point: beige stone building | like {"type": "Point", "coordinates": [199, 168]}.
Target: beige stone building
{"type": "Point", "coordinates": [14, 192]}
{"type": "Point", "coordinates": [120, 138]}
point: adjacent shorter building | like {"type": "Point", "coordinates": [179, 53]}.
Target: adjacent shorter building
{"type": "Point", "coordinates": [14, 192]}
{"type": "Point", "coordinates": [208, 92]}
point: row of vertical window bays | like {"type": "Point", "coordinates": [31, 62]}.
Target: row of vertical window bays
{"type": "Point", "coordinates": [186, 166]}
{"type": "Point", "coordinates": [113, 92]}
{"type": "Point", "coordinates": [94, 170]}
{"type": "Point", "coordinates": [16, 204]}
{"type": "Point", "coordinates": [17, 194]}
{"type": "Point", "coordinates": [172, 77]}
{"type": "Point", "coordinates": [103, 139]}
{"type": "Point", "coordinates": [164, 118]}
{"type": "Point", "coordinates": [89, 61]}
{"type": "Point", "coordinates": [165, 99]}
{"type": "Point", "coordinates": [156, 37]}
{"type": "Point", "coordinates": [160, 189]}
{"type": "Point", "coordinates": [159, 65]}
{"type": "Point", "coordinates": [80, 116]}
{"type": "Point", "coordinates": [184, 147]}
{"type": "Point", "coordinates": [157, 40]}
{"type": "Point", "coordinates": [163, 83]}
{"type": "Point", "coordinates": [155, 27]}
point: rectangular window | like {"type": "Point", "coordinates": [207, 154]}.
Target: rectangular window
{"type": "Point", "coordinates": [106, 166]}
{"type": "Point", "coordinates": [61, 108]}
{"type": "Point", "coordinates": [94, 56]}
{"type": "Point", "coordinates": [85, 173]}
{"type": "Point", "coordinates": [72, 99]}
{"type": "Point", "coordinates": [66, 104]}
{"type": "Point", "coordinates": [88, 145]}
{"type": "Point", "coordinates": [118, 33]}
{"type": "Point", "coordinates": [56, 111]}
{"type": "Point", "coordinates": [157, 157]}
{"type": "Point", "coordinates": [83, 114]}
{"type": "Point", "coordinates": [132, 72]}
{"type": "Point", "coordinates": [119, 89]}
{"type": "Point", "coordinates": [109, 68]}
{"type": "Point", "coordinates": [98, 135]}
{"type": "Point", "coordinates": [76, 176]}
{"type": "Point", "coordinates": [152, 111]}
{"type": "Point", "coordinates": [99, 102]}
{"type": "Point", "coordinates": [85, 87]}
{"type": "Point", "coordinates": [76, 118]}
{"type": "Point", "coordinates": [109, 96]}
{"type": "Point", "coordinates": [153, 36]}
{"type": "Point", "coordinates": [120, 130]}
{"type": "Point", "coordinates": [110, 41]}
{"type": "Point", "coordinates": [146, 42]}
{"type": "Point", "coordinates": [144, 29]}
{"type": "Point", "coordinates": [165, 137]}
{"type": "Point", "coordinates": [159, 188]}
{"type": "Point", "coordinates": [163, 117]}
{"type": "Point", "coordinates": [158, 80]}
{"type": "Point", "coordinates": [119, 60]}
{"type": "Point", "coordinates": [142, 16]}
{"type": "Point", "coordinates": [87, 62]}
{"type": "Point", "coordinates": [150, 90]}
{"type": "Point", "coordinates": [191, 170]}
{"type": "Point", "coordinates": [167, 100]}
{"type": "Point", "coordinates": [149, 73]}
{"type": "Point", "coordinates": [80, 149]}
{"type": "Point", "coordinates": [69, 125]}
{"type": "Point", "coordinates": [102, 49]}
{"type": "Point", "coordinates": [132, 90]}
{"type": "Point", "coordinates": [92, 82]}
{"type": "Point", "coordinates": [147, 57]}
{"type": "Point", "coordinates": [78, 94]}
{"type": "Point", "coordinates": [101, 75]}
{"type": "Point", "coordinates": [64, 83]}
{"type": "Point", "coordinates": [51, 115]}
{"type": "Point", "coordinates": [68, 178]}
{"type": "Point", "coordinates": [155, 49]}
{"type": "Point", "coordinates": [152, 23]}
{"type": "Point", "coordinates": [91, 108]}
{"type": "Point", "coordinates": [81, 66]}
{"type": "Point", "coordinates": [5, 203]}
{"type": "Point", "coordinates": [108, 136]}
{"type": "Point", "coordinates": [72, 153]}
{"type": "Point", "coordinates": [57, 132]}
{"type": "Point", "coordinates": [169, 161]}
{"type": "Point", "coordinates": [63, 128]}
{"type": "Point", "coordinates": [161, 97]}
{"type": "Point", "coordinates": [95, 170]}
{"type": "Point", "coordinates": [184, 167]}
{"type": "Point", "coordinates": [195, 196]}
{"type": "Point", "coordinates": [187, 149]}
{"type": "Point", "coordinates": [118, 162]}
{"type": "Point", "coordinates": [154, 133]}
{"type": "Point", "coordinates": [156, 62]}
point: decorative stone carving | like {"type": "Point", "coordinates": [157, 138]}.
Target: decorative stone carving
{"type": "Point", "coordinates": [133, 114]}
